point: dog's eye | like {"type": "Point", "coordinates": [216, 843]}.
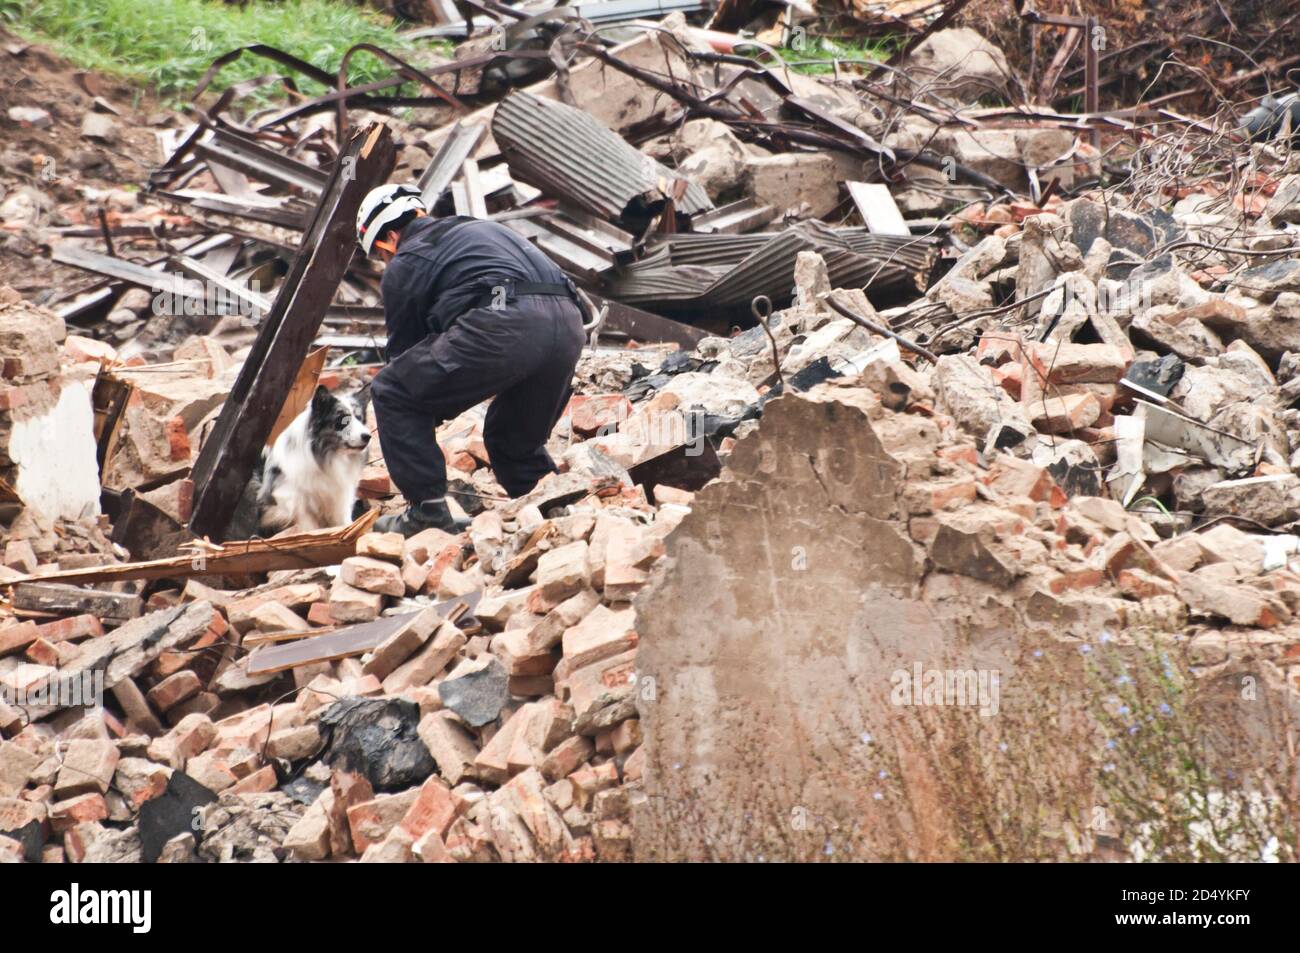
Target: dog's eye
{"type": "Point", "coordinates": [343, 423]}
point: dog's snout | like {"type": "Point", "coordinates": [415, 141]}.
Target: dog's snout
{"type": "Point", "coordinates": [365, 438]}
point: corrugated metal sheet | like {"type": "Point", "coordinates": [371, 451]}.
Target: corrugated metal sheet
{"type": "Point", "coordinates": [569, 155]}
{"type": "Point", "coordinates": [729, 270]}
{"type": "Point", "coordinates": [657, 277]}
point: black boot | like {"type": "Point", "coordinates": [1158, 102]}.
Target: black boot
{"type": "Point", "coordinates": [431, 514]}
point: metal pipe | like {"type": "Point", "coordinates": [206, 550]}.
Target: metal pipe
{"type": "Point", "coordinates": [879, 329]}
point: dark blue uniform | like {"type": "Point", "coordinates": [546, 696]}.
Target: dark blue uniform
{"type": "Point", "coordinates": [457, 335]}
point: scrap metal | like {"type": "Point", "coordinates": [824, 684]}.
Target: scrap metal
{"type": "Point", "coordinates": [564, 151]}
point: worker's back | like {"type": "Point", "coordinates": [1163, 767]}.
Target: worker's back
{"type": "Point", "coordinates": [444, 266]}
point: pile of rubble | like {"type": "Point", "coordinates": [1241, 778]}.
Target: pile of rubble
{"type": "Point", "coordinates": [516, 730]}
{"type": "Point", "coordinates": [1046, 407]}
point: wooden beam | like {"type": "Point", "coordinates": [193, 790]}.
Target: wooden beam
{"type": "Point", "coordinates": [266, 379]}
{"type": "Point", "coordinates": [321, 547]}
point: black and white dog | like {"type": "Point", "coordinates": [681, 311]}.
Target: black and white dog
{"type": "Point", "coordinates": [309, 478]}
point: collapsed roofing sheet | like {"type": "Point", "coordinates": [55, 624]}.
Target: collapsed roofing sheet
{"type": "Point", "coordinates": [729, 270]}
{"type": "Point", "coordinates": [571, 156]}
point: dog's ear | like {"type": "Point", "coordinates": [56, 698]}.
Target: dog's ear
{"type": "Point", "coordinates": [362, 397]}
{"type": "Point", "coordinates": [320, 401]}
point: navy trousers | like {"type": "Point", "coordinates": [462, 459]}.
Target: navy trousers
{"type": "Point", "coordinates": [522, 354]}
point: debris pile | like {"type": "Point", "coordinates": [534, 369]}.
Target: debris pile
{"type": "Point", "coordinates": [412, 732]}
{"type": "Point", "coordinates": [859, 317]}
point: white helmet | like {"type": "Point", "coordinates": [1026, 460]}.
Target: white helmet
{"type": "Point", "coordinates": [383, 206]}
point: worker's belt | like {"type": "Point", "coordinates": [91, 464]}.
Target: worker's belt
{"type": "Point", "coordinates": [517, 289]}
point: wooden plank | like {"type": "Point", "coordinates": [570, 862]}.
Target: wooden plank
{"type": "Point", "coordinates": [46, 597]}
{"type": "Point", "coordinates": [474, 197]}
{"type": "Point", "coordinates": [247, 155]}
{"type": "Point", "coordinates": [878, 209]}
{"type": "Point", "coordinates": [304, 385]}
{"type": "Point", "coordinates": [249, 302]}
{"type": "Point", "coordinates": [322, 547]}
{"type": "Point", "coordinates": [461, 143]}
{"type": "Point", "coordinates": [266, 378]}
{"type": "Point", "coordinates": [109, 398]}
{"type": "Point", "coordinates": [352, 640]}
{"type": "Point", "coordinates": [231, 181]}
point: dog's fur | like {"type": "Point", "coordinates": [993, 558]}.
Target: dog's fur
{"type": "Point", "coordinates": [309, 479]}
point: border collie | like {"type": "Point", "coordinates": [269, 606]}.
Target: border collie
{"type": "Point", "coordinates": [309, 479]}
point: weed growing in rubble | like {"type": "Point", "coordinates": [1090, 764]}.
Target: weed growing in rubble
{"type": "Point", "coordinates": [1179, 776]}
{"type": "Point", "coordinates": [807, 53]}
{"type": "Point", "coordinates": [1007, 788]}
{"type": "Point", "coordinates": [1116, 752]}
{"type": "Point", "coordinates": [1109, 750]}
{"type": "Point", "coordinates": [171, 43]}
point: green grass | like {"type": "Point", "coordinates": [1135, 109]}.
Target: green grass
{"type": "Point", "coordinates": [168, 44]}
{"type": "Point", "coordinates": [815, 56]}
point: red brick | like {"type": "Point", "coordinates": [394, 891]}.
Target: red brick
{"type": "Point", "coordinates": [433, 810]}
{"type": "Point", "coordinates": [12, 397]}
{"type": "Point", "coordinates": [319, 614]}
{"type": "Point", "coordinates": [172, 661]}
{"type": "Point", "coordinates": [167, 599]}
{"type": "Point", "coordinates": [1077, 579]}
{"type": "Point", "coordinates": [1067, 363]}
{"type": "Point", "coordinates": [1011, 477]}
{"type": "Point", "coordinates": [139, 780]}
{"type": "Point", "coordinates": [447, 558]}
{"type": "Point", "coordinates": [589, 780]}
{"type": "Point", "coordinates": [192, 735]}
{"type": "Point", "coordinates": [77, 810]}
{"type": "Point", "coordinates": [1066, 413]}
{"type": "Point", "coordinates": [19, 555]}
{"type": "Point", "coordinates": [634, 765]}
{"type": "Point", "coordinates": [1009, 377]}
{"type": "Point", "coordinates": [431, 849]}
{"type": "Point", "coordinates": [46, 653]}
{"type": "Point", "coordinates": [964, 453]}
{"type": "Point", "coordinates": [1143, 585]}
{"type": "Point", "coordinates": [375, 484]}
{"type": "Point", "coordinates": [602, 634]}
{"type": "Point", "coordinates": [566, 758]}
{"type": "Point", "coordinates": [292, 597]}
{"type": "Point", "coordinates": [174, 689]}
{"type": "Point", "coordinates": [626, 735]}
{"type": "Point", "coordinates": [462, 461]}
{"type": "Point", "coordinates": [1121, 551]}
{"type": "Point", "coordinates": [588, 413]}
{"type": "Point", "coordinates": [931, 496]}
{"type": "Point", "coordinates": [73, 627]}
{"type": "Point", "coordinates": [999, 348]}
{"type": "Point", "coordinates": [88, 766]}
{"type": "Point", "coordinates": [372, 575]}
{"type": "Point", "coordinates": [259, 782]}
{"type": "Point", "coordinates": [18, 636]}
{"type": "Point", "coordinates": [672, 494]}
{"type": "Point", "coordinates": [370, 821]}
{"type": "Point", "coordinates": [347, 790]}
{"type": "Point", "coordinates": [178, 440]}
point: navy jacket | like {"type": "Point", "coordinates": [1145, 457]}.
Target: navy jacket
{"type": "Point", "coordinates": [443, 266]}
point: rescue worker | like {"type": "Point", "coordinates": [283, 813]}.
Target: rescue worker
{"type": "Point", "coordinates": [472, 311]}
